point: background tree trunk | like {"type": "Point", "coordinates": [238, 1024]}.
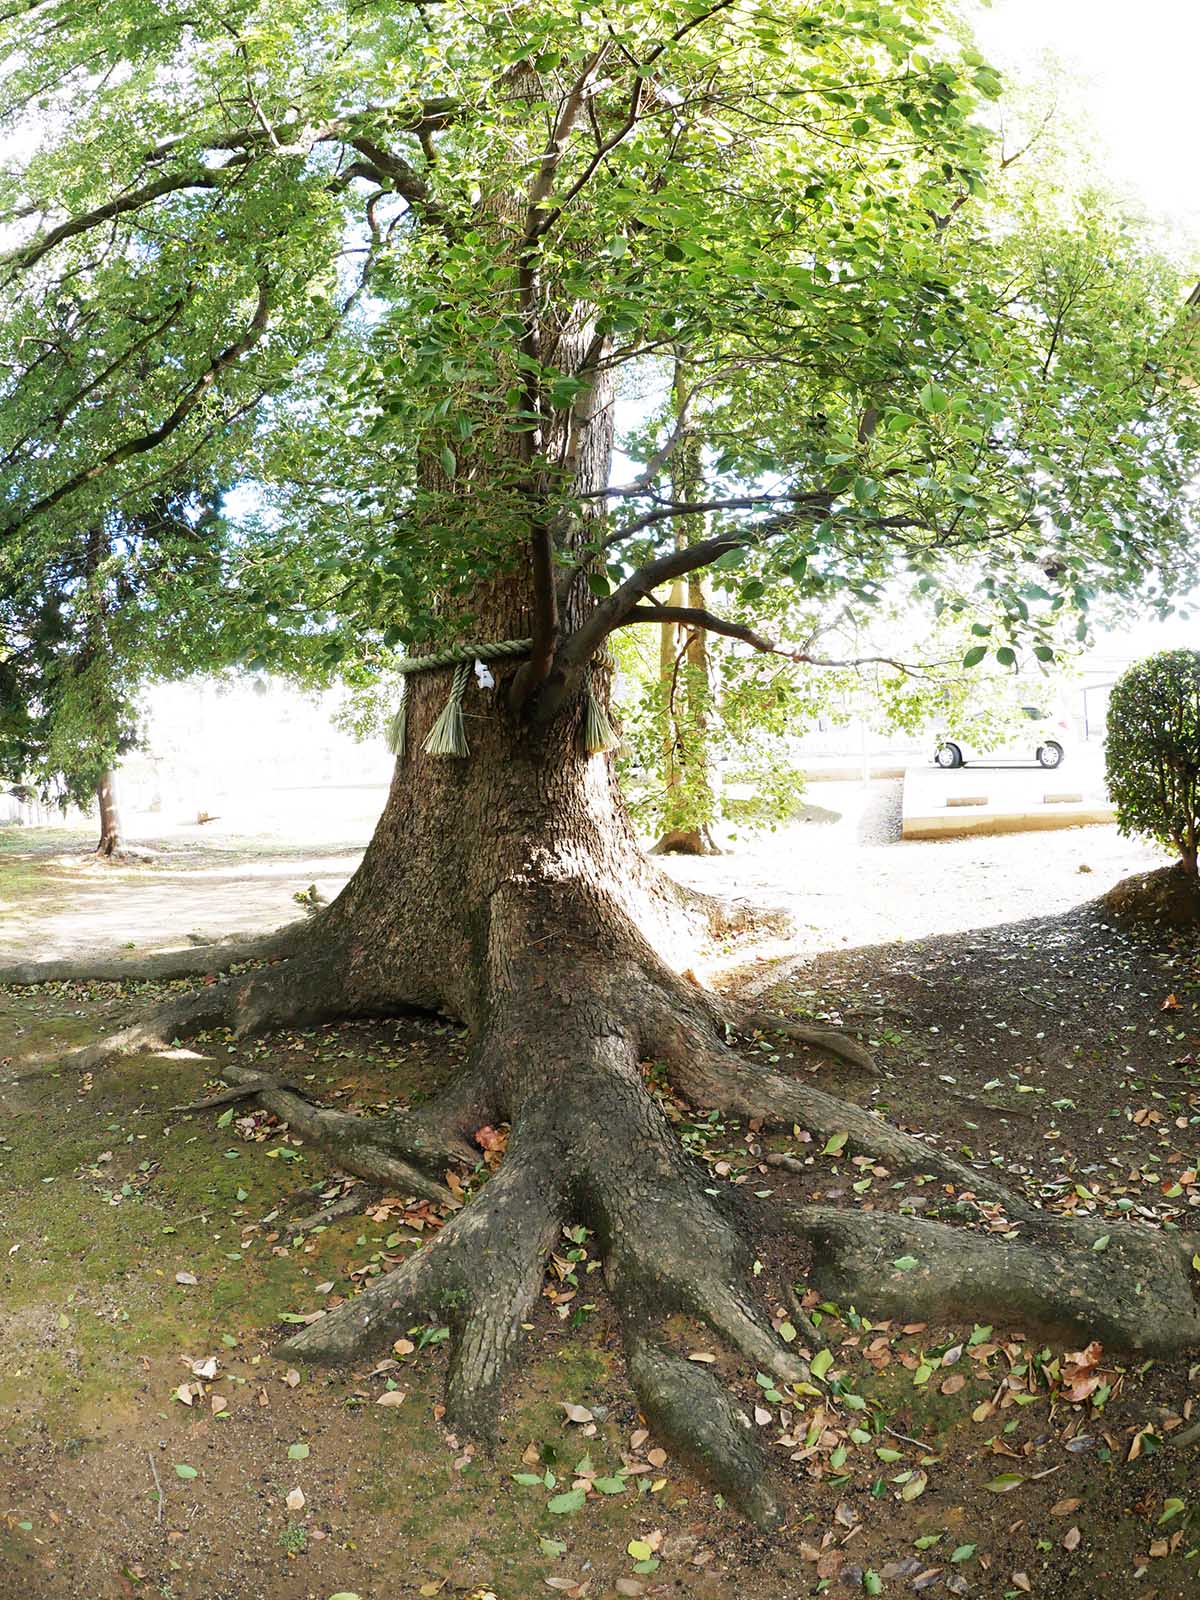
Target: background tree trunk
{"type": "Point", "coordinates": [688, 804]}
{"type": "Point", "coordinates": [111, 839]}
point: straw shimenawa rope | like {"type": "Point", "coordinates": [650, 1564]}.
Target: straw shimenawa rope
{"type": "Point", "coordinates": [448, 736]}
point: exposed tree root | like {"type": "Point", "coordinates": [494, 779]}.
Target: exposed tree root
{"type": "Point", "coordinates": [481, 1274]}
{"type": "Point", "coordinates": [1134, 1294]}
{"type": "Point", "coordinates": [350, 1204]}
{"type": "Point", "coordinates": [726, 1081]}
{"type": "Point", "coordinates": [830, 1040]}
{"type": "Point", "coordinates": [686, 1403]}
{"type": "Point", "coordinates": [197, 961]}
{"type": "Point", "coordinates": [383, 1150]}
{"type": "Point", "coordinates": [590, 1145]}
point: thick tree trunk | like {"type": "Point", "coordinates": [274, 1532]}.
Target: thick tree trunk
{"type": "Point", "coordinates": [111, 841]}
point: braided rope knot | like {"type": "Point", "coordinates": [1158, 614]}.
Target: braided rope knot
{"type": "Point", "coordinates": [448, 736]}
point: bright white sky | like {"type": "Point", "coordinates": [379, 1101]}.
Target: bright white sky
{"type": "Point", "coordinates": [1137, 62]}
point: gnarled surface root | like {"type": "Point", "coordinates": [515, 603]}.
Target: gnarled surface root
{"type": "Point", "coordinates": [1133, 1294]}
{"type": "Point", "coordinates": [686, 1403]}
{"type": "Point", "coordinates": [725, 1080]}
{"type": "Point", "coordinates": [481, 1274]}
{"type": "Point", "coordinates": [389, 1151]}
{"type": "Point", "coordinates": [557, 1053]}
{"type": "Point", "coordinates": [830, 1040]}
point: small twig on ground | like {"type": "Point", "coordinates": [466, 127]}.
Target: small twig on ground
{"type": "Point", "coordinates": [157, 1485]}
{"type": "Point", "coordinates": [928, 1448]}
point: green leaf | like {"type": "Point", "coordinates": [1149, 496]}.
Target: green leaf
{"type": "Point", "coordinates": [298, 1452]}
{"type": "Point", "coordinates": [1005, 1482]}
{"type": "Point", "coordinates": [905, 1263]}
{"type": "Point", "coordinates": [836, 1144]}
{"type": "Point", "coordinates": [934, 399]}
{"type": "Point", "coordinates": [563, 1504]}
{"type": "Point", "coordinates": [610, 1485]}
{"type": "Point", "coordinates": [964, 1552]}
{"type": "Point", "coordinates": [821, 1363]}
{"type": "Point", "coordinates": [182, 1471]}
{"type": "Point", "coordinates": [974, 655]}
{"type": "Point", "coordinates": [1171, 1508]}
{"type": "Point", "coordinates": [1102, 1242]}
{"type": "Point", "coordinates": [872, 1582]}
{"type": "Point", "coordinates": [449, 461]}
{"type": "Point", "coordinates": [225, 1118]}
{"type": "Point", "coordinates": [639, 1549]}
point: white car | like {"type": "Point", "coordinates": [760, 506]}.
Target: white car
{"type": "Point", "coordinates": [1043, 742]}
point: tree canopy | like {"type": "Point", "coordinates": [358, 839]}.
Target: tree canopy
{"type": "Point", "coordinates": [383, 261]}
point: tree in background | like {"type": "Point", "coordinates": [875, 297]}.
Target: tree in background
{"type": "Point", "coordinates": [85, 626]}
{"type": "Point", "coordinates": [417, 245]}
{"type": "Point", "coordinates": [1152, 752]}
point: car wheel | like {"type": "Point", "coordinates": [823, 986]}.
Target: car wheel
{"type": "Point", "coordinates": [948, 755]}
{"type": "Point", "coordinates": [1050, 754]}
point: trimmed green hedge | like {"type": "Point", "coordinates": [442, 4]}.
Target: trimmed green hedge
{"type": "Point", "coordinates": [1152, 756]}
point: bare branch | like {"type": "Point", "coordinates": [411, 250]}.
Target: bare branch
{"type": "Point", "coordinates": [696, 617]}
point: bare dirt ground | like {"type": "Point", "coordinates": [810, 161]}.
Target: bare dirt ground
{"type": "Point", "coordinates": [144, 1252]}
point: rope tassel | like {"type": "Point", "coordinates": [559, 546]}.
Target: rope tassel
{"type": "Point", "coordinates": [397, 732]}
{"type": "Point", "coordinates": [448, 736]}
{"type": "Point", "coordinates": [598, 732]}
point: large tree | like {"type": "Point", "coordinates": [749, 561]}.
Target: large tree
{"type": "Point", "coordinates": [418, 242]}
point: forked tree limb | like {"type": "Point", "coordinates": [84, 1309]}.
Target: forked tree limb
{"type": "Point", "coordinates": [381, 1150]}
